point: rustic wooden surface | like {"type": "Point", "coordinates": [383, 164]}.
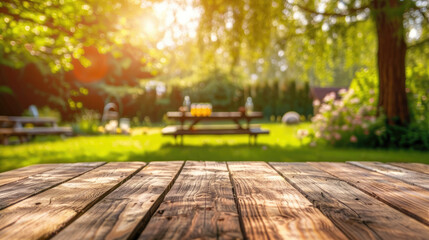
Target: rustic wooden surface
{"type": "Point", "coordinates": [357, 214]}
{"type": "Point", "coordinates": [272, 209]}
{"type": "Point", "coordinates": [410, 199]}
{"type": "Point", "coordinates": [418, 167]}
{"type": "Point", "coordinates": [23, 188]}
{"type": "Point", "coordinates": [216, 200]}
{"type": "Point", "coordinates": [46, 213]}
{"type": "Point", "coordinates": [20, 173]}
{"type": "Point", "coordinates": [200, 205]}
{"type": "Point", "coordinates": [119, 213]}
{"type": "Point", "coordinates": [412, 177]}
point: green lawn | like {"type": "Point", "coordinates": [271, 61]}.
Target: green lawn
{"type": "Point", "coordinates": [149, 145]}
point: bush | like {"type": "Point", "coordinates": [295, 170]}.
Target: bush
{"type": "Point", "coordinates": [353, 122]}
{"type": "Point", "coordinates": [87, 123]}
{"type": "Point", "coordinates": [346, 122]}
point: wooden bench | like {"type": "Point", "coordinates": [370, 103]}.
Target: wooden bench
{"type": "Point", "coordinates": [15, 126]}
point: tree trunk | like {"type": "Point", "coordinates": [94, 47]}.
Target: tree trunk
{"type": "Point", "coordinates": [391, 60]}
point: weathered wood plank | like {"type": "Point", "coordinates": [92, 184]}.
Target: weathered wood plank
{"type": "Point", "coordinates": [20, 173]}
{"type": "Point", "coordinates": [16, 191]}
{"type": "Point", "coordinates": [271, 208]}
{"type": "Point", "coordinates": [44, 214]}
{"type": "Point", "coordinates": [418, 167]}
{"type": "Point", "coordinates": [411, 177]}
{"type": "Point", "coordinates": [200, 205]}
{"type": "Point", "coordinates": [357, 214]}
{"type": "Point", "coordinates": [121, 213]}
{"type": "Point", "coordinates": [409, 199]}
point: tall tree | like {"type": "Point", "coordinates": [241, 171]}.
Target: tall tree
{"type": "Point", "coordinates": [306, 19]}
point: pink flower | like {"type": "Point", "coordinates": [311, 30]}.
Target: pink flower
{"type": "Point", "coordinates": [338, 103]}
{"type": "Point", "coordinates": [316, 103]}
{"type": "Point", "coordinates": [345, 128]}
{"type": "Point", "coordinates": [329, 97]}
{"type": "Point", "coordinates": [353, 139]}
{"type": "Point", "coordinates": [325, 108]}
{"type": "Point", "coordinates": [342, 91]}
{"type": "Point", "coordinates": [371, 100]}
{"type": "Point", "coordinates": [337, 136]}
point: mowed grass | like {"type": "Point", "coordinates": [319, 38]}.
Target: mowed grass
{"type": "Point", "coordinates": [147, 144]}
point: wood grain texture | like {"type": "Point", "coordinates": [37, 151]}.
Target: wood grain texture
{"type": "Point", "coordinates": [271, 208]}
{"type": "Point", "coordinates": [357, 214]}
{"type": "Point", "coordinates": [42, 215]}
{"type": "Point", "coordinates": [20, 173]}
{"type": "Point", "coordinates": [16, 191]}
{"type": "Point", "coordinates": [411, 177]}
{"type": "Point", "coordinates": [123, 211]}
{"type": "Point", "coordinates": [200, 205]}
{"type": "Point", "coordinates": [418, 167]}
{"type": "Point", "coordinates": [409, 199]}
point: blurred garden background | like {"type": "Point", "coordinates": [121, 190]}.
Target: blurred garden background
{"type": "Point", "coordinates": [356, 72]}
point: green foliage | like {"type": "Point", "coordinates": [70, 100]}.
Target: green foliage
{"type": "Point", "coordinates": [365, 84]}
{"type": "Point", "coordinates": [6, 90]}
{"type": "Point", "coordinates": [418, 94]}
{"type": "Point", "coordinates": [87, 123]}
{"type": "Point", "coordinates": [216, 88]}
{"type": "Point", "coordinates": [54, 32]}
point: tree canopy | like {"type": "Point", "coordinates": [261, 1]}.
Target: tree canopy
{"type": "Point", "coordinates": [324, 42]}
{"type": "Point", "coordinates": [56, 31]}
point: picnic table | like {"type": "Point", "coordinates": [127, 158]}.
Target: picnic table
{"type": "Point", "coordinates": [216, 200]}
{"type": "Point", "coordinates": [16, 126]}
{"type": "Point", "coordinates": [192, 129]}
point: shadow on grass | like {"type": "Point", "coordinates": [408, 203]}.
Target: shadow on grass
{"type": "Point", "coordinates": [273, 153]}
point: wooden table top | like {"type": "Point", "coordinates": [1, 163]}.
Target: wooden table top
{"type": "Point", "coordinates": [27, 119]}
{"type": "Point", "coordinates": [216, 200]}
{"type": "Point", "coordinates": [216, 115]}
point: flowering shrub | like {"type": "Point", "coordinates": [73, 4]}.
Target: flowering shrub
{"type": "Point", "coordinates": [349, 121]}
{"type": "Point", "coordinates": [352, 121]}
